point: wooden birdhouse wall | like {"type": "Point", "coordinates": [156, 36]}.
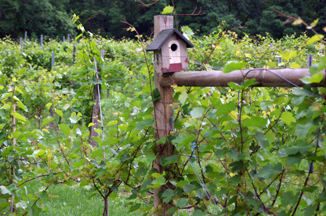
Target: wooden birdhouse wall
{"type": "Point", "coordinates": [174, 55]}
{"type": "Point", "coordinates": [158, 60]}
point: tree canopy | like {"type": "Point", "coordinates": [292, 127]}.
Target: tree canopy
{"type": "Point", "coordinates": [53, 18]}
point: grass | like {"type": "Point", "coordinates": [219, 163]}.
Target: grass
{"type": "Point", "coordinates": [74, 201]}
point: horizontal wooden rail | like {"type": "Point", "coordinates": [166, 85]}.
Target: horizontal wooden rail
{"type": "Point", "coordinates": [263, 77]}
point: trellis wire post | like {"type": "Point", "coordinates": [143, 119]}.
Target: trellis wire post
{"type": "Point", "coordinates": [21, 44]}
{"type": "Point", "coordinates": [74, 54]}
{"type": "Point", "coordinates": [13, 143]}
{"type": "Point", "coordinates": [41, 42]}
{"type": "Point", "coordinates": [99, 102]}
{"type": "Point", "coordinates": [52, 60]}
{"type": "Point", "coordinates": [25, 38]}
{"type": "Point", "coordinates": [279, 60]}
{"type": "Point", "coordinates": [309, 61]}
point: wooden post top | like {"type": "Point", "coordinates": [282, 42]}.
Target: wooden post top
{"type": "Point", "coordinates": [162, 22]}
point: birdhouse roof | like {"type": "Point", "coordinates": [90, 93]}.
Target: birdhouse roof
{"type": "Point", "coordinates": [163, 36]}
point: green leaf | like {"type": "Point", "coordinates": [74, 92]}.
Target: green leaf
{"type": "Point", "coordinates": [287, 118]}
{"type": "Point", "coordinates": [315, 68]}
{"type": "Point", "coordinates": [65, 129]}
{"type": "Point", "coordinates": [183, 141]}
{"type": "Point", "coordinates": [39, 152]}
{"type": "Point", "coordinates": [233, 154]}
{"type": "Point", "coordinates": [255, 121]}
{"type": "Point", "coordinates": [142, 124]}
{"type": "Point", "coordinates": [4, 205]}
{"type": "Point", "coordinates": [134, 207]}
{"type": "Point", "coordinates": [268, 171]}
{"type": "Point", "coordinates": [141, 172]}
{"type": "Point", "coordinates": [156, 94]}
{"type": "Point", "coordinates": [22, 204]}
{"type": "Point", "coordinates": [182, 203]}
{"type": "Point", "coordinates": [262, 141]}
{"type": "Point", "coordinates": [271, 64]}
{"type": "Point", "coordinates": [59, 112]}
{"type": "Point", "coordinates": [225, 108]}
{"type": "Point", "coordinates": [294, 65]}
{"type": "Point", "coordinates": [183, 97]}
{"type": "Point", "coordinates": [2, 125]}
{"type": "Point", "coordinates": [4, 190]}
{"type": "Point", "coordinates": [197, 112]}
{"type": "Point", "coordinates": [167, 195]}
{"type": "Point", "coordinates": [187, 31]}
{"type": "Point", "coordinates": [22, 106]}
{"type": "Point", "coordinates": [233, 65]}
{"type": "Point", "coordinates": [97, 153]}
{"type": "Point", "coordinates": [234, 180]}
{"type": "Point", "coordinates": [150, 157]}
{"type": "Point", "coordinates": [200, 193]}
{"type": "Point", "coordinates": [316, 78]}
{"type": "Point", "coordinates": [288, 55]}
{"type": "Point", "coordinates": [168, 10]}
{"type": "Point", "coordinates": [48, 105]}
{"type": "Point", "coordinates": [74, 119]}
{"type": "Point", "coordinates": [159, 182]}
{"type": "Point", "coordinates": [235, 86]}
{"type": "Point", "coordinates": [18, 116]}
{"type": "Point", "coordinates": [249, 83]}
{"type": "Point", "coordinates": [79, 163]}
{"type": "Point", "coordinates": [171, 159]}
{"type": "Point", "coordinates": [47, 120]}
{"type": "Point", "coordinates": [293, 159]}
{"type": "Point", "coordinates": [315, 38]}
{"type": "Point", "coordinates": [198, 212]}
{"type": "Point", "coordinates": [171, 210]}
{"type": "Point", "coordinates": [66, 106]}
{"type": "Point", "coordinates": [188, 188]}
{"type": "Point", "coordinates": [287, 198]}
{"type": "Point", "coordinates": [302, 130]}
{"type": "Point", "coordinates": [310, 211]}
{"type": "Point", "coordinates": [314, 23]}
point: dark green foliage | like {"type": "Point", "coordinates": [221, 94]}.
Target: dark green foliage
{"type": "Point", "coordinates": [52, 18]}
{"type": "Point", "coordinates": [34, 16]}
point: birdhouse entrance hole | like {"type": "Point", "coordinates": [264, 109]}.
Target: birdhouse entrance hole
{"type": "Point", "coordinates": [174, 47]}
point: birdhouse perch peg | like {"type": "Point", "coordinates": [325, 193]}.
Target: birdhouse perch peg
{"type": "Point", "coordinates": [170, 51]}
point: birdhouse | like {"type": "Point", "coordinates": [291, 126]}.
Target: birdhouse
{"type": "Point", "coordinates": [170, 51]}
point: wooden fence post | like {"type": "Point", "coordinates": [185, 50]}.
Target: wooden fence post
{"type": "Point", "coordinates": [41, 42]}
{"type": "Point", "coordinates": [21, 44]}
{"type": "Point", "coordinates": [309, 61]}
{"type": "Point", "coordinates": [52, 60]}
{"type": "Point", "coordinates": [96, 108]}
{"type": "Point", "coordinates": [163, 113]}
{"type": "Point", "coordinates": [74, 54]}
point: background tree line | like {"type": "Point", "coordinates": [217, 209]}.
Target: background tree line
{"type": "Point", "coordinates": [53, 17]}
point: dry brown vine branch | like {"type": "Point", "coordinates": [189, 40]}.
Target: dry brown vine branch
{"type": "Point", "coordinates": [192, 14]}
{"type": "Point", "coordinates": [293, 19]}
{"type": "Point", "coordinates": [146, 5]}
